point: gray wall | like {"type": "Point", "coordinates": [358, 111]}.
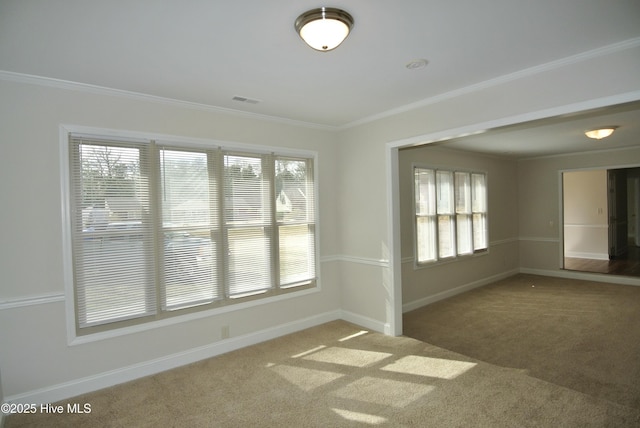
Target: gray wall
{"type": "Point", "coordinates": [422, 285]}
{"type": "Point", "coordinates": [539, 201]}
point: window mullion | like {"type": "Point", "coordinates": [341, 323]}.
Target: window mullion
{"type": "Point", "coordinates": [454, 227]}
{"type": "Point", "coordinates": [437, 215]}
{"type": "Point", "coordinates": [76, 222]}
{"type": "Point", "coordinates": [224, 230]}
{"type": "Point", "coordinates": [215, 165]}
{"type": "Point", "coordinates": [155, 217]}
{"type": "Point", "coordinates": [270, 177]}
{"type": "Point", "coordinates": [148, 221]}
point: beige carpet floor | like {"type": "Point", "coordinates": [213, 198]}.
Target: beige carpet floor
{"type": "Point", "coordinates": [581, 335]}
{"type": "Point", "coordinates": [339, 375]}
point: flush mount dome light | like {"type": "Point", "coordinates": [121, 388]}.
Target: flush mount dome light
{"type": "Point", "coordinates": [600, 133]}
{"type": "Point", "coordinates": [324, 28]}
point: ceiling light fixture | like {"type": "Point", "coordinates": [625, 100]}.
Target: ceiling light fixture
{"type": "Point", "coordinates": [417, 64]}
{"type": "Point", "coordinates": [600, 133]}
{"type": "Point", "coordinates": [324, 28]}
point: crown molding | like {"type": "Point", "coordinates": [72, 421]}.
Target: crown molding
{"type": "Point", "coordinates": [527, 72]}
{"type": "Point", "coordinates": [581, 153]}
{"type": "Point", "coordinates": [138, 96]}
{"type": "Point", "coordinates": [531, 71]}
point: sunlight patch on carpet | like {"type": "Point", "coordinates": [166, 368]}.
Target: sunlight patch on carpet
{"type": "Point", "coordinates": [348, 357]}
{"type": "Point", "coordinates": [364, 418]}
{"type": "Point", "coordinates": [310, 351]}
{"type": "Point", "coordinates": [351, 336]}
{"type": "Point", "coordinates": [306, 379]}
{"type": "Point", "coordinates": [431, 367]}
{"type": "Point", "coordinates": [385, 392]}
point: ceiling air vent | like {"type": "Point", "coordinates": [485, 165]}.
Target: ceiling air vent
{"type": "Point", "coordinates": [245, 100]}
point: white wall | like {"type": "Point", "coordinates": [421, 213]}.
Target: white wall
{"type": "Point", "coordinates": [586, 230]}
{"type": "Point", "coordinates": [35, 360]}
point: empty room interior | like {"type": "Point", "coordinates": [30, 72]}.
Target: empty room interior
{"type": "Point", "coordinates": [212, 218]}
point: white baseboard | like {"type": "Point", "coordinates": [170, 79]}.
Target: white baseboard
{"type": "Point", "coordinates": [84, 385]}
{"type": "Point", "coordinates": [454, 291]}
{"type": "Point", "coordinates": [612, 279]}
{"type": "Point", "coordinates": [593, 256]}
{"type": "Point", "coordinates": [367, 322]}
{"type": "Point", "coordinates": [586, 276]}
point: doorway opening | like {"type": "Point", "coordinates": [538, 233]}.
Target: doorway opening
{"type": "Point", "coordinates": [601, 221]}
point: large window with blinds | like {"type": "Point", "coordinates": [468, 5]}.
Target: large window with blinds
{"type": "Point", "coordinates": [159, 229]}
{"type": "Point", "coordinates": [450, 214]}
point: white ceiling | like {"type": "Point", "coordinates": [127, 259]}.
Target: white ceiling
{"type": "Point", "coordinates": [208, 51]}
{"type": "Point", "coordinates": [558, 135]}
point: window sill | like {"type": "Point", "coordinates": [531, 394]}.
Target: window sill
{"type": "Point", "coordinates": [427, 265]}
{"type": "Point", "coordinates": [74, 339]}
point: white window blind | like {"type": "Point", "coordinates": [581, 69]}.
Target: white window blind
{"type": "Point", "coordinates": [463, 213]}
{"type": "Point", "coordinates": [425, 203]}
{"type": "Point", "coordinates": [112, 232]}
{"type": "Point", "coordinates": [295, 208]}
{"type": "Point", "coordinates": [159, 229]}
{"type": "Point", "coordinates": [248, 221]}
{"type": "Point", "coordinates": [445, 210]}
{"type": "Point", "coordinates": [450, 213]}
{"type": "Point", "coordinates": [190, 228]}
{"type": "Point", "coordinates": [479, 208]}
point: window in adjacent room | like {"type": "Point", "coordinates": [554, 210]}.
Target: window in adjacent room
{"type": "Point", "coordinates": [450, 214]}
{"type": "Point", "coordinates": [161, 229]}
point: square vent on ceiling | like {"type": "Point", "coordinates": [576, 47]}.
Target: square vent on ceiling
{"type": "Point", "coordinates": [245, 100]}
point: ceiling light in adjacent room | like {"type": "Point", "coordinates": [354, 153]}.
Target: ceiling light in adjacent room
{"type": "Point", "coordinates": [417, 64]}
{"type": "Point", "coordinates": [242, 99]}
{"type": "Point", "coordinates": [324, 28]}
{"type": "Point", "coordinates": [600, 133]}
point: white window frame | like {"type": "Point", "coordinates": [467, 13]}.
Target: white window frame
{"type": "Point", "coordinates": [173, 317]}
{"type": "Point", "coordinates": [439, 211]}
